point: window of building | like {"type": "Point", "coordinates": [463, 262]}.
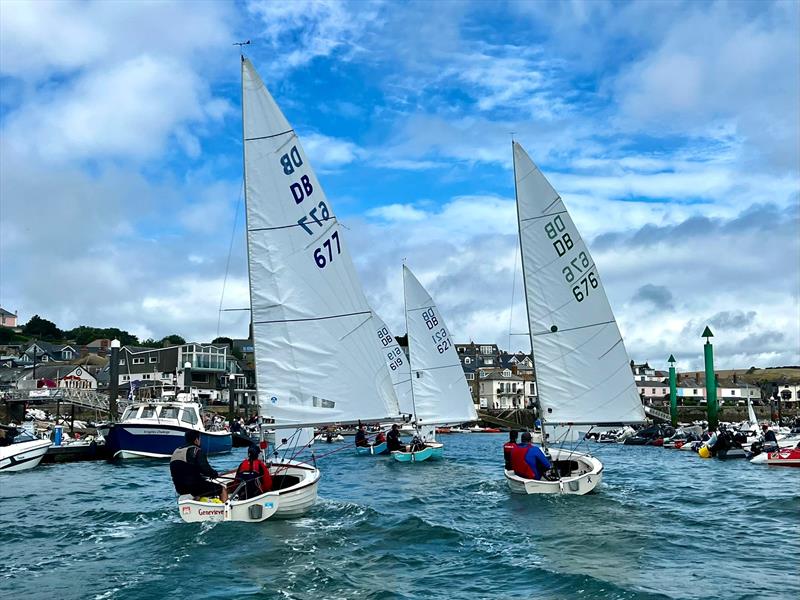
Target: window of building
{"type": "Point", "coordinates": [467, 360]}
{"type": "Point", "coordinates": [694, 391]}
{"type": "Point", "coordinates": [482, 373]}
{"type": "Point", "coordinates": [488, 361]}
{"type": "Point", "coordinates": [507, 373]}
{"type": "Point", "coordinates": [126, 378]}
{"type": "Point", "coordinates": [138, 361]}
{"type": "Point", "coordinates": [514, 387]}
{"type": "Point", "coordinates": [67, 354]}
{"type": "Point", "coordinates": [733, 392]}
{"type": "Point", "coordinates": [166, 376]}
{"type": "Point", "coordinates": [146, 376]}
{"type": "Point", "coordinates": [652, 390]}
{"type": "Point", "coordinates": [153, 359]}
{"type": "Point", "coordinates": [122, 363]}
{"type": "Point", "coordinates": [470, 376]}
{"type": "Point", "coordinates": [486, 349]}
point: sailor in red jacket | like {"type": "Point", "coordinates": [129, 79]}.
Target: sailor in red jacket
{"type": "Point", "coordinates": [508, 447]}
{"type": "Point", "coordinates": [527, 460]}
{"type": "Point", "coordinates": [254, 474]}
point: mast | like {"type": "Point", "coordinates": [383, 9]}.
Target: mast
{"type": "Point", "coordinates": [525, 288]}
{"type": "Point", "coordinates": [246, 218]}
{"type": "Point", "coordinates": [408, 342]}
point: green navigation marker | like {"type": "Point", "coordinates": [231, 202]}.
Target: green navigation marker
{"type": "Point", "coordinates": [673, 392]}
{"type": "Point", "coordinates": [711, 381]}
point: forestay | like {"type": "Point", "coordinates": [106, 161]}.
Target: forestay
{"type": "Point", "coordinates": [316, 358]}
{"type": "Point", "coordinates": [398, 365]}
{"type": "Point", "coordinates": [440, 391]}
{"type": "Point", "coordinates": [582, 367]}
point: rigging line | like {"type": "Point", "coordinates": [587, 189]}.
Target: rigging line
{"type": "Point", "coordinates": [353, 314]}
{"type": "Point", "coordinates": [230, 251]}
{"type": "Point", "coordinates": [232, 310]}
{"type": "Point", "coordinates": [435, 368]}
{"type": "Point", "coordinates": [254, 229]}
{"type": "Point", "coordinates": [573, 328]}
{"type": "Point", "coordinates": [513, 291]}
{"type": "Point", "coordinates": [558, 212]}
{"type": "Point", "coordinates": [266, 137]}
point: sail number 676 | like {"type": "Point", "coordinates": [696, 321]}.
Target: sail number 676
{"type": "Point", "coordinates": [581, 290]}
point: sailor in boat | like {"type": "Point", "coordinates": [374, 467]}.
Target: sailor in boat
{"type": "Point", "coordinates": [508, 448]}
{"type": "Point", "coordinates": [770, 439]}
{"type": "Point", "coordinates": [191, 472]}
{"type": "Point", "coordinates": [361, 436]}
{"type": "Point", "coordinates": [253, 474]}
{"type": "Point", "coordinates": [393, 441]}
{"type": "Point", "coordinates": [379, 439]}
{"type": "Point", "coordinates": [527, 460]}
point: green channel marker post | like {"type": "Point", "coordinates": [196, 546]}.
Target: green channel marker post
{"type": "Point", "coordinates": [711, 381]}
{"type": "Point", "coordinates": [673, 392]}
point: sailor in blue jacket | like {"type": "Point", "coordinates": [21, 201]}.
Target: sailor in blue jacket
{"type": "Point", "coordinates": [527, 460]}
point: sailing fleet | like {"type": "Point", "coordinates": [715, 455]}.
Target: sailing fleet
{"type": "Point", "coordinates": [324, 357]}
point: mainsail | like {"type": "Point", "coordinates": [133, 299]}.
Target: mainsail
{"type": "Point", "coordinates": [398, 365]}
{"type": "Point", "coordinates": [316, 358]}
{"type": "Point", "coordinates": [582, 367]}
{"type": "Point", "coordinates": [440, 391]}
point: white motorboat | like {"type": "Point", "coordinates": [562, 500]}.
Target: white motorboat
{"type": "Point", "coordinates": [21, 456]}
{"type": "Point", "coordinates": [582, 367]}
{"type": "Point", "coordinates": [317, 360]}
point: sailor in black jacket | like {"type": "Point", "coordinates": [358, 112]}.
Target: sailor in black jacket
{"type": "Point", "coordinates": [191, 472]}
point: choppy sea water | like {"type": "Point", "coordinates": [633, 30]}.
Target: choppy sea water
{"type": "Point", "coordinates": [664, 524]}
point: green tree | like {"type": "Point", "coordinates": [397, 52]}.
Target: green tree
{"type": "Point", "coordinates": [42, 328]}
{"type": "Point", "coordinates": [173, 340]}
{"type": "Point", "coordinates": [223, 340]}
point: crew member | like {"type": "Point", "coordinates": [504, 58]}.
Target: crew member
{"type": "Point", "coordinates": [770, 439]}
{"type": "Point", "coordinates": [254, 474]}
{"type": "Point", "coordinates": [508, 447]}
{"type": "Point", "coordinates": [191, 472]}
{"type": "Point", "coordinates": [527, 460]}
{"type": "Point", "coordinates": [379, 439]}
{"type": "Point", "coordinates": [393, 439]}
{"type": "Point", "coordinates": [361, 436]}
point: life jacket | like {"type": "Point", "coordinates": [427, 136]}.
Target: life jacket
{"type": "Point", "coordinates": [255, 476]}
{"type": "Point", "coordinates": [518, 463]}
{"type": "Point", "coordinates": [508, 447]}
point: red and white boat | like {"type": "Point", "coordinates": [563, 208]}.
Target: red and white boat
{"type": "Point", "coordinates": [785, 457]}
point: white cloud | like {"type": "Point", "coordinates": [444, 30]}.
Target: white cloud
{"type": "Point", "coordinates": [397, 213]}
{"type": "Point", "coordinates": [329, 153]}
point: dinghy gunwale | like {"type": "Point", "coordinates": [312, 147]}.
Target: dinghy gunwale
{"type": "Point", "coordinates": [586, 481]}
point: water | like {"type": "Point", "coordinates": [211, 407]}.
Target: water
{"type": "Point", "coordinates": [664, 524]}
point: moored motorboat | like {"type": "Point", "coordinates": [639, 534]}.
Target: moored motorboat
{"type": "Point", "coordinates": [21, 456]}
{"type": "Point", "coordinates": [785, 457]}
{"type": "Point", "coordinates": [155, 429]}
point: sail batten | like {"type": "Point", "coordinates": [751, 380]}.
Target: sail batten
{"type": "Point", "coordinates": [316, 362]}
{"type": "Point", "coordinates": [440, 392]}
{"type": "Point", "coordinates": [582, 366]}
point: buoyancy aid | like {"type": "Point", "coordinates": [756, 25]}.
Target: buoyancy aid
{"type": "Point", "coordinates": [508, 448]}
{"type": "Point", "coordinates": [256, 477]}
{"type": "Point", "coordinates": [518, 463]}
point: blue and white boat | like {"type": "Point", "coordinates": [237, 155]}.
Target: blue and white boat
{"type": "Point", "coordinates": [372, 449]}
{"type": "Point", "coordinates": [438, 390]}
{"type": "Point", "coordinates": [155, 429]}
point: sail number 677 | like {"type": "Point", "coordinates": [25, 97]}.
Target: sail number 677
{"type": "Point", "coordinates": [319, 253]}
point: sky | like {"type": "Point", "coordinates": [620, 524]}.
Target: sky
{"type": "Point", "coordinates": [669, 128]}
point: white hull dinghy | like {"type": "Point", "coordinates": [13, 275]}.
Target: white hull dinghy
{"type": "Point", "coordinates": [579, 474]}
{"type": "Point", "coordinates": [315, 352]}
{"type": "Point", "coordinates": [22, 456]}
{"type": "Point", "coordinates": [582, 367]}
{"type": "Point", "coordinates": [438, 390]}
{"type": "Point", "coordinates": [297, 485]}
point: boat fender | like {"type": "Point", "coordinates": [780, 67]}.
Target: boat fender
{"type": "Point", "coordinates": [704, 452]}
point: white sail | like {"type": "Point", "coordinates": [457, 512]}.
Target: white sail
{"type": "Point", "coordinates": [751, 415]}
{"type": "Point", "coordinates": [398, 365]}
{"type": "Point", "coordinates": [582, 367]}
{"type": "Point", "coordinates": [440, 391]}
{"type": "Point", "coordinates": [316, 359]}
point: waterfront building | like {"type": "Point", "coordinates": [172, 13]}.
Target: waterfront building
{"type": "Point", "coordinates": [63, 376]}
{"type": "Point", "coordinates": [42, 352]}
{"type": "Point", "coordinates": [7, 318]}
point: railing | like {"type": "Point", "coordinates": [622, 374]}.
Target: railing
{"type": "Point", "coordinates": [658, 414]}
{"type": "Point", "coordinates": [90, 399]}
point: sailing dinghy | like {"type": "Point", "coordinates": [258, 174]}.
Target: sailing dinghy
{"type": "Point", "coordinates": [582, 367]}
{"type": "Point", "coordinates": [315, 354]}
{"type": "Point", "coordinates": [438, 392]}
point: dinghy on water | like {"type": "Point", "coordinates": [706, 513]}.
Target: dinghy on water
{"type": "Point", "coordinates": [582, 368]}
{"type": "Point", "coordinates": [438, 391]}
{"type": "Point", "coordinates": [315, 353]}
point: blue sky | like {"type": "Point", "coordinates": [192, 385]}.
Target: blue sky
{"type": "Point", "coordinates": [670, 129]}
